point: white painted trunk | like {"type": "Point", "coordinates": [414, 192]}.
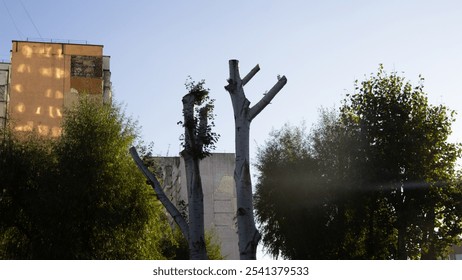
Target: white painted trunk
{"type": "Point", "coordinates": [197, 249]}
{"type": "Point", "coordinates": [243, 116]}
{"type": "Point", "coordinates": [247, 231]}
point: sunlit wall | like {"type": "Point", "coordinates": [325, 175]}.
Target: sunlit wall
{"type": "Point", "coordinates": [47, 77]}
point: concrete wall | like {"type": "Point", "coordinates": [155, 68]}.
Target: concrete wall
{"type": "Point", "coordinates": [456, 253]}
{"type": "Point", "coordinates": [47, 77]}
{"type": "Point", "coordinates": [4, 83]}
{"type": "Point", "coordinates": [107, 85]}
{"type": "Point", "coordinates": [219, 195]}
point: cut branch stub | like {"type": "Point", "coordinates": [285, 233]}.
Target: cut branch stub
{"type": "Point", "coordinates": [249, 76]}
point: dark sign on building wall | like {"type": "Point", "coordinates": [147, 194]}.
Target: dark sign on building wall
{"type": "Point", "coordinates": [86, 66]}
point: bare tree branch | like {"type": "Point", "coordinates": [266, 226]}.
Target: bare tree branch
{"type": "Point", "coordinates": [152, 180]}
{"type": "Point", "coordinates": [249, 76]}
{"type": "Point", "coordinates": [266, 99]}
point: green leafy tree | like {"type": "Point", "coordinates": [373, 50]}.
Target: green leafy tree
{"type": "Point", "coordinates": [79, 197]}
{"type": "Point", "coordinates": [410, 163]}
{"type": "Point", "coordinates": [25, 167]}
{"type": "Point", "coordinates": [376, 181]}
{"type": "Point", "coordinates": [304, 200]}
{"type": "Point", "coordinates": [285, 165]}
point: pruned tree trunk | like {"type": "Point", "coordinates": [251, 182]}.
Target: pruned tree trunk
{"type": "Point", "coordinates": [198, 141]}
{"type": "Point", "coordinates": [191, 154]}
{"type": "Point", "coordinates": [197, 249]}
{"type": "Point", "coordinates": [243, 116]}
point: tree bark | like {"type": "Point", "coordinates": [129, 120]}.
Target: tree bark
{"type": "Point", "coordinates": [191, 155]}
{"type": "Point", "coordinates": [243, 116]}
{"type": "Point", "coordinates": [429, 234]}
{"type": "Point", "coordinates": [197, 249]}
{"type": "Point", "coordinates": [401, 225]}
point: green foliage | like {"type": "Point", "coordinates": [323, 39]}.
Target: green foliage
{"type": "Point", "coordinates": [79, 197]}
{"type": "Point", "coordinates": [24, 173]}
{"type": "Point", "coordinates": [376, 181]}
{"type": "Point", "coordinates": [286, 168]}
{"type": "Point", "coordinates": [302, 192]}
{"type": "Point", "coordinates": [180, 248]}
{"type": "Point", "coordinates": [409, 162]}
{"type": "Point", "coordinates": [201, 123]}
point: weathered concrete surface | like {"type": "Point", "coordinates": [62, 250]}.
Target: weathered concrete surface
{"type": "Point", "coordinates": [219, 195]}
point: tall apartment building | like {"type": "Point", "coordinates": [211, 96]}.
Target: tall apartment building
{"type": "Point", "coordinates": [43, 78]}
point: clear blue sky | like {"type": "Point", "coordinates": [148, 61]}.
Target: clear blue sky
{"type": "Point", "coordinates": [321, 46]}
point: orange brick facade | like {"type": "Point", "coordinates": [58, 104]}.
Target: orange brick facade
{"type": "Point", "coordinates": [45, 78]}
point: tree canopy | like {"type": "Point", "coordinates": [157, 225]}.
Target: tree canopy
{"type": "Point", "coordinates": [376, 180]}
{"type": "Point", "coordinates": [79, 197]}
